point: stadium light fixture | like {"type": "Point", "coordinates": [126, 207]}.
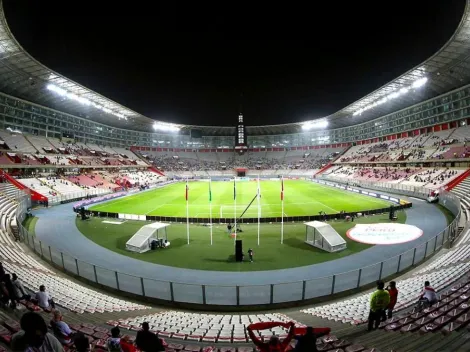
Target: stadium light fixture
{"type": "Point", "coordinates": [415, 85]}
{"type": "Point", "coordinates": [309, 125]}
{"type": "Point", "coordinates": [64, 93]}
{"type": "Point", "coordinates": [166, 127]}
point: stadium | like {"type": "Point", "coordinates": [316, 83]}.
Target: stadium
{"type": "Point", "coordinates": [203, 231]}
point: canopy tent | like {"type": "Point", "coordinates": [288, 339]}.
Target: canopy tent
{"type": "Point", "coordinates": [323, 236]}
{"type": "Point", "coordinates": [143, 238]}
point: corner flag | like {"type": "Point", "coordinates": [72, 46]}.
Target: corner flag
{"type": "Point", "coordinates": [282, 188]}
{"type": "Point", "coordinates": [210, 191]}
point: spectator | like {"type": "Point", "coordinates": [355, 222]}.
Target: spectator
{"type": "Point", "coordinates": [147, 341]}
{"type": "Point", "coordinates": [20, 292]}
{"type": "Point", "coordinates": [81, 342]}
{"type": "Point", "coordinates": [33, 336]}
{"type": "Point", "coordinates": [44, 299]}
{"type": "Point", "coordinates": [2, 270]}
{"type": "Point", "coordinates": [114, 342]}
{"type": "Point", "coordinates": [428, 295]}
{"type": "Point", "coordinates": [60, 328]}
{"type": "Point", "coordinates": [9, 289]}
{"type": "Point", "coordinates": [308, 342]}
{"type": "Point", "coordinates": [378, 302]}
{"type": "Point", "coordinates": [274, 344]}
{"type": "Point", "coordinates": [393, 292]}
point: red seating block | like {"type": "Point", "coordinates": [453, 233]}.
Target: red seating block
{"type": "Point", "coordinates": [464, 319]}
{"type": "Point", "coordinates": [175, 346]}
{"type": "Point", "coordinates": [242, 349]}
{"type": "Point", "coordinates": [192, 348]}
{"type": "Point", "coordinates": [87, 331]}
{"type": "Point", "coordinates": [393, 327]}
{"type": "Point", "coordinates": [324, 347]}
{"type": "Point", "coordinates": [101, 344]}
{"type": "Point", "coordinates": [100, 336]}
{"type": "Point", "coordinates": [409, 328]}
{"type": "Point", "coordinates": [103, 330]}
{"type": "Point", "coordinates": [74, 327]}
{"type": "Point", "coordinates": [89, 326]}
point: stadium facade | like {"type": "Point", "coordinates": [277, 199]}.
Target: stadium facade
{"type": "Point", "coordinates": [39, 101]}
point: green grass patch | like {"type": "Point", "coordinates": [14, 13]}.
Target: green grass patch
{"type": "Point", "coordinates": [200, 254]}
{"type": "Point", "coordinates": [30, 224]}
{"type": "Point", "coordinates": [300, 198]}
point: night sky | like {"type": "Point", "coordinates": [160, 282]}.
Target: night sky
{"type": "Point", "coordinates": [190, 64]}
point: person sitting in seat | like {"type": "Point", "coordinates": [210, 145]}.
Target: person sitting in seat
{"type": "Point", "coordinates": [61, 329]}
{"type": "Point", "coordinates": [114, 342]}
{"type": "Point", "coordinates": [19, 289]}
{"type": "Point", "coordinates": [429, 295]}
{"type": "Point", "coordinates": [308, 342]}
{"type": "Point", "coordinates": [33, 336]}
{"type": "Point", "coordinates": [44, 299]}
{"type": "Point", "coordinates": [147, 341]}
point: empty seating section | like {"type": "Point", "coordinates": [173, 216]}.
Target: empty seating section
{"type": "Point", "coordinates": [431, 178]}
{"type": "Point", "coordinates": [204, 327]}
{"type": "Point", "coordinates": [291, 162]}
{"type": "Point", "coordinates": [41, 144]}
{"type": "Point", "coordinates": [17, 142]}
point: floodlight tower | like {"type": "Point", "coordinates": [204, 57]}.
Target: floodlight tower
{"type": "Point", "coordinates": [240, 134]}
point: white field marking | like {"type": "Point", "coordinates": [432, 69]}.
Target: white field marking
{"type": "Point", "coordinates": [421, 200]}
{"type": "Point", "coordinates": [161, 205]}
{"type": "Point", "coordinates": [114, 222]}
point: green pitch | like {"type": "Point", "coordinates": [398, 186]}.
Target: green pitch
{"type": "Point", "coordinates": [200, 254]}
{"type": "Point", "coordinates": [300, 198]}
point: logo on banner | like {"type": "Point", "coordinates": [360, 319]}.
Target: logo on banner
{"type": "Point", "coordinates": [384, 233]}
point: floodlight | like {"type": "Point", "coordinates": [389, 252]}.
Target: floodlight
{"type": "Point", "coordinates": [309, 125]}
{"type": "Point", "coordinates": [166, 127]}
{"type": "Point", "coordinates": [416, 84]}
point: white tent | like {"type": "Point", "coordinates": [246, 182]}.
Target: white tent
{"type": "Point", "coordinates": [142, 239]}
{"type": "Point", "coordinates": [323, 236]}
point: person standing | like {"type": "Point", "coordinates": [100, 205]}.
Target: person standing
{"type": "Point", "coordinates": [393, 292]}
{"type": "Point", "coordinates": [250, 255]}
{"type": "Point", "coordinates": [379, 301]}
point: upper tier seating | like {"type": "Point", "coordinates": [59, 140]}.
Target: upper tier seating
{"type": "Point", "coordinates": [419, 177]}
{"type": "Point", "coordinates": [17, 142]}
{"type": "Point", "coordinates": [41, 144]}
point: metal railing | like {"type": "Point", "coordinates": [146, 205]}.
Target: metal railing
{"type": "Point", "coordinates": [246, 295]}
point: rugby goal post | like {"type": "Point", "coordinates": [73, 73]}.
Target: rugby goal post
{"type": "Point", "coordinates": [324, 236]}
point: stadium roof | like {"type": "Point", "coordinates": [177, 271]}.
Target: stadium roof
{"type": "Point", "coordinates": [24, 77]}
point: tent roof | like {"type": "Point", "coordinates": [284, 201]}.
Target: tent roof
{"type": "Point", "coordinates": [328, 233]}
{"type": "Point", "coordinates": [144, 233]}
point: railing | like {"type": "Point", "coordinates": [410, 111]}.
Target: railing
{"type": "Point", "coordinates": [248, 295]}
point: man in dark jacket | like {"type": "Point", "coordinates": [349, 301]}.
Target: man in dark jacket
{"type": "Point", "coordinates": [308, 342]}
{"type": "Point", "coordinates": [147, 341]}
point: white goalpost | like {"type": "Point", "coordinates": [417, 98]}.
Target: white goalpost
{"type": "Point", "coordinates": [227, 211]}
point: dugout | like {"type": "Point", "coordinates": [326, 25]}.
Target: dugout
{"type": "Point", "coordinates": [142, 239]}
{"type": "Point", "coordinates": [322, 235]}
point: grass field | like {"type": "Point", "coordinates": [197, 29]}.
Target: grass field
{"type": "Point", "coordinates": [199, 254]}
{"type": "Point", "coordinates": [300, 198]}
